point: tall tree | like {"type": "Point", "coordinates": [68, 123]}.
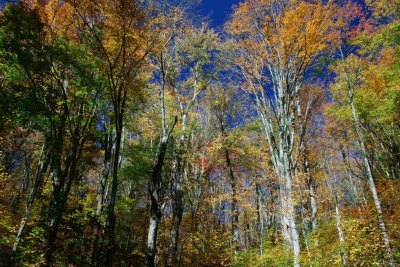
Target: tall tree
{"type": "Point", "coordinates": [277, 43]}
{"type": "Point", "coordinates": [191, 70]}
{"type": "Point", "coordinates": [66, 89]}
{"type": "Point", "coordinates": [351, 78]}
{"type": "Point", "coordinates": [221, 98]}
{"type": "Point", "coordinates": [119, 34]}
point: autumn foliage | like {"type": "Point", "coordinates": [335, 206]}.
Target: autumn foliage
{"type": "Point", "coordinates": [137, 133]}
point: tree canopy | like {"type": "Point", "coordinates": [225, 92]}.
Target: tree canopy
{"type": "Point", "coordinates": [136, 133]}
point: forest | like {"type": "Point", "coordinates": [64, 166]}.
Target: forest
{"type": "Point", "coordinates": [138, 133]}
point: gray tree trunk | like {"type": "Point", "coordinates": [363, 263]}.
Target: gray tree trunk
{"type": "Point", "coordinates": [260, 218]}
{"type": "Point", "coordinates": [234, 205]}
{"type": "Point", "coordinates": [371, 182]}
{"type": "Point", "coordinates": [42, 166]}
{"type": "Point", "coordinates": [177, 205]}
{"type": "Point", "coordinates": [331, 185]}
{"type": "Point", "coordinates": [155, 186]}
{"type": "Point", "coordinates": [304, 230]}
{"type": "Point", "coordinates": [155, 196]}
{"type": "Point", "coordinates": [312, 193]}
{"type": "Point", "coordinates": [340, 232]}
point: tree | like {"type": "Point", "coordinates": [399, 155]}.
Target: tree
{"type": "Point", "coordinates": [66, 90]}
{"type": "Point", "coordinates": [189, 60]}
{"type": "Point", "coordinates": [351, 78]}
{"type": "Point", "coordinates": [220, 98]}
{"type": "Point", "coordinates": [276, 45]}
{"type": "Point", "coordinates": [133, 134]}
{"type": "Point", "coordinates": [119, 34]}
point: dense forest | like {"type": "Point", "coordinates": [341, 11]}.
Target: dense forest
{"type": "Point", "coordinates": [136, 133]}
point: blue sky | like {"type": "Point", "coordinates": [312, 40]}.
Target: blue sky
{"type": "Point", "coordinates": [219, 10]}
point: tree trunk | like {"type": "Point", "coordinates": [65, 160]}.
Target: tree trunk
{"type": "Point", "coordinates": [177, 205]}
{"type": "Point", "coordinates": [232, 180]}
{"type": "Point", "coordinates": [289, 212]}
{"type": "Point", "coordinates": [110, 230]}
{"type": "Point", "coordinates": [42, 166]}
{"type": "Point", "coordinates": [340, 232]}
{"type": "Point", "coordinates": [119, 111]}
{"type": "Point", "coordinates": [155, 193]}
{"type": "Point", "coordinates": [63, 175]}
{"type": "Point", "coordinates": [101, 199]}
{"type": "Point", "coordinates": [62, 183]}
{"type": "Point", "coordinates": [152, 235]}
{"type": "Point", "coordinates": [305, 230]}
{"type": "Point", "coordinates": [260, 218]}
{"type": "Point", "coordinates": [332, 188]}
{"type": "Point", "coordinates": [293, 228]}
{"type": "Point", "coordinates": [56, 183]}
{"type": "Point", "coordinates": [371, 182]}
{"type": "Point", "coordinates": [281, 141]}
{"type": "Point", "coordinates": [312, 193]}
{"type": "Point", "coordinates": [234, 205]}
{"type": "Point", "coordinates": [177, 211]}
{"type": "Point", "coordinates": [155, 209]}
